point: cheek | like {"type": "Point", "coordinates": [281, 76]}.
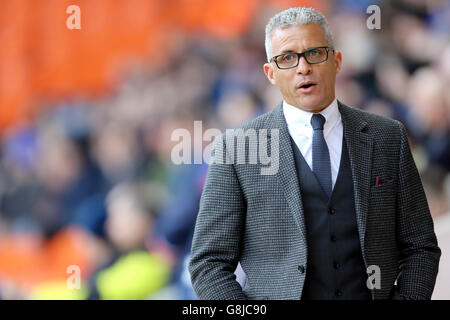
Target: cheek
{"type": "Point", "coordinates": [286, 84]}
{"type": "Point", "coordinates": [327, 80]}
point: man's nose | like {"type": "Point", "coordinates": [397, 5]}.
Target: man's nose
{"type": "Point", "coordinates": [303, 66]}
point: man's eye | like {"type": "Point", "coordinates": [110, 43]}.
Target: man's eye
{"type": "Point", "coordinates": [314, 53]}
{"type": "Point", "coordinates": [288, 57]}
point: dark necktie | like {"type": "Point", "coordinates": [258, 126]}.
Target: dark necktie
{"type": "Point", "coordinates": [320, 155]}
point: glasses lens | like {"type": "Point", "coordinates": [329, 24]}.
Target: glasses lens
{"type": "Point", "coordinates": [287, 60]}
{"type": "Point", "coordinates": [316, 55]}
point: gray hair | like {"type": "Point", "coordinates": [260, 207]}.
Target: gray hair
{"type": "Point", "coordinates": [294, 17]}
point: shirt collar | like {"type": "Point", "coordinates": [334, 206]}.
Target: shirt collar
{"type": "Point", "coordinates": [299, 119]}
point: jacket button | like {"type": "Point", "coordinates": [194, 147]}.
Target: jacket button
{"type": "Point", "coordinates": [331, 210]}
{"type": "Point", "coordinates": [333, 238]}
{"type": "Point", "coordinates": [301, 268]}
{"type": "Point", "coordinates": [338, 293]}
{"type": "Point", "coordinates": [337, 265]}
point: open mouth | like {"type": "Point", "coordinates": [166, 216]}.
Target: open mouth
{"type": "Point", "coordinates": [307, 87]}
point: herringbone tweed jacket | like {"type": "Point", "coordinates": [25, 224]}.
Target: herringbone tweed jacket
{"type": "Point", "coordinates": [258, 219]}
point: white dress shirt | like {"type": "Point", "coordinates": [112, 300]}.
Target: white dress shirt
{"type": "Point", "coordinates": [301, 131]}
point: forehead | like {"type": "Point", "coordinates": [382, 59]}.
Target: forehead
{"type": "Point", "coordinates": [298, 38]}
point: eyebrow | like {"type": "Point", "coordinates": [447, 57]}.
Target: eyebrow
{"type": "Point", "coordinates": [288, 51]}
{"type": "Point", "coordinates": [292, 51]}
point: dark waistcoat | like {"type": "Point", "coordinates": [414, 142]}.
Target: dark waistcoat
{"type": "Point", "coordinates": [335, 266]}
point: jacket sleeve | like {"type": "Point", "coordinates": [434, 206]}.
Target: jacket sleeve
{"type": "Point", "coordinates": [417, 243]}
{"type": "Point", "coordinates": [218, 232]}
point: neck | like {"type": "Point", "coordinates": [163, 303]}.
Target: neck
{"type": "Point", "coordinates": [312, 109]}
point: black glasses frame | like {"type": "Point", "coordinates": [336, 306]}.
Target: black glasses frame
{"type": "Point", "coordinates": [301, 54]}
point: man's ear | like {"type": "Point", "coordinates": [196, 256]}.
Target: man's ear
{"type": "Point", "coordinates": [338, 60]}
{"type": "Point", "coordinates": [268, 70]}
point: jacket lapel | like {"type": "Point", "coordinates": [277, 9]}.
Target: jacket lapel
{"type": "Point", "coordinates": [359, 145]}
{"type": "Point", "coordinates": [287, 171]}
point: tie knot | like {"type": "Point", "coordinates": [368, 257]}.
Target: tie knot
{"type": "Point", "coordinates": [317, 121]}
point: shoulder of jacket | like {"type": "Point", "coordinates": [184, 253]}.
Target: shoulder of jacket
{"type": "Point", "coordinates": [375, 120]}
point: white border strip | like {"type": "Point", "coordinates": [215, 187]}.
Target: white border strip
{"type": "Point", "coordinates": [442, 224]}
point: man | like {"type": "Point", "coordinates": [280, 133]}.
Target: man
{"type": "Point", "coordinates": [344, 217]}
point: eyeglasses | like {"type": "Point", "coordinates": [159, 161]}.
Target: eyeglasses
{"type": "Point", "coordinates": [291, 59]}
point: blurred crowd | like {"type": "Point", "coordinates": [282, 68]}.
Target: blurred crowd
{"type": "Point", "coordinates": [90, 183]}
